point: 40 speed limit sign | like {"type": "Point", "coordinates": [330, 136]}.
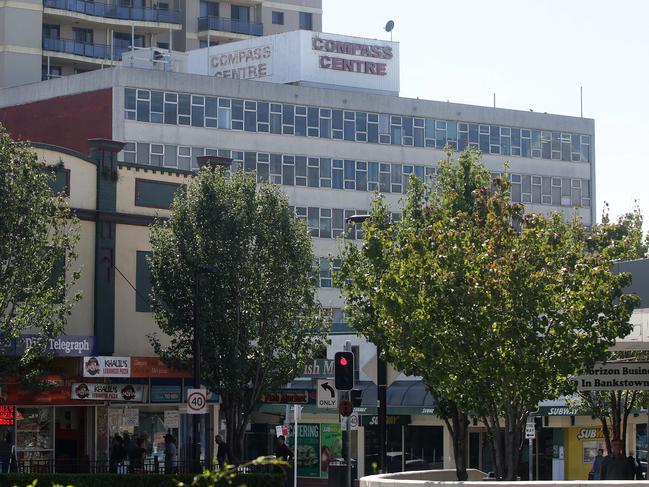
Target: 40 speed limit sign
{"type": "Point", "coordinates": [196, 401]}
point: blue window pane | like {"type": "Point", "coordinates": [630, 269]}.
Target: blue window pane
{"type": "Point", "coordinates": [197, 116]}
{"type": "Point", "coordinates": [407, 126]}
{"type": "Point", "coordinates": [325, 128]}
{"type": "Point", "coordinates": [373, 171]}
{"type": "Point", "coordinates": [473, 133]}
{"type": "Point", "coordinates": [276, 123]}
{"type": "Point", "coordinates": [361, 122]}
{"type": "Point", "coordinates": [395, 134]}
{"type": "Point", "coordinates": [325, 168]}
{"type": "Point", "coordinates": [237, 109]}
{"type": "Point", "coordinates": [350, 168]}
{"type": "Point", "coordinates": [262, 112]}
{"type": "Point", "coordinates": [337, 119]}
{"type": "Point", "coordinates": [349, 130]}
{"type": "Point", "coordinates": [451, 131]}
{"type": "Point", "coordinates": [484, 143]}
{"type": "Point", "coordinates": [373, 133]}
{"type": "Point", "coordinates": [300, 125]}
{"type": "Point", "coordinates": [287, 114]}
{"type": "Point", "coordinates": [250, 123]}
{"type": "Point", "coordinates": [337, 180]}
{"type": "Point", "coordinates": [361, 181]}
{"type": "Point", "coordinates": [313, 115]}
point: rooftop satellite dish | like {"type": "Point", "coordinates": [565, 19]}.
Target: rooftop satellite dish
{"type": "Point", "coordinates": [389, 26]}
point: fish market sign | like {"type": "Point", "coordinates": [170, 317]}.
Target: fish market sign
{"type": "Point", "coordinates": [633, 376]}
{"type": "Point", "coordinates": [320, 368]}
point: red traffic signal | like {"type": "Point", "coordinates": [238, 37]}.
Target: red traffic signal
{"type": "Point", "coordinates": [344, 371]}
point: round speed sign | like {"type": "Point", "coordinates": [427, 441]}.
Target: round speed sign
{"type": "Point", "coordinates": [197, 401]}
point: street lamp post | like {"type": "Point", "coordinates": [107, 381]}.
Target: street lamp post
{"type": "Point", "coordinates": [196, 346]}
{"type": "Point", "coordinates": [381, 381]}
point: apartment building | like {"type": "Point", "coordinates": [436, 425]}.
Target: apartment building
{"type": "Point", "coordinates": [44, 39]}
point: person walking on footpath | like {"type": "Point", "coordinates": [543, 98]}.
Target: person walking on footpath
{"type": "Point", "coordinates": [596, 469]}
{"type": "Point", "coordinates": [617, 466]}
{"type": "Point", "coordinates": [6, 452]}
{"type": "Point", "coordinates": [171, 463]}
{"type": "Point", "coordinates": [283, 452]}
{"type": "Point", "coordinates": [117, 453]}
{"type": "Point", "coordinates": [222, 452]}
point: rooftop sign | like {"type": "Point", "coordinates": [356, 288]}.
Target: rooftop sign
{"type": "Point", "coordinates": [633, 376]}
{"type": "Point", "coordinates": [304, 57]}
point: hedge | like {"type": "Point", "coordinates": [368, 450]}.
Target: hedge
{"type": "Point", "coordinates": [130, 480]}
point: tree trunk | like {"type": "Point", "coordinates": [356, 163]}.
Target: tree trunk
{"type": "Point", "coordinates": [458, 426]}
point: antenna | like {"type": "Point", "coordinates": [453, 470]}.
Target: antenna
{"type": "Point", "coordinates": [388, 28]}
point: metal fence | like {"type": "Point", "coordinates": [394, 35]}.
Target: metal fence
{"type": "Point", "coordinates": [70, 46]}
{"type": "Point", "coordinates": [115, 11]}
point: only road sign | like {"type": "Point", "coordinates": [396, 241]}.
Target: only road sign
{"type": "Point", "coordinates": [326, 396]}
{"type": "Point", "coordinates": [197, 401]}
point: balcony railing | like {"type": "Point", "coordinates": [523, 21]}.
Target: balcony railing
{"type": "Point", "coordinates": [97, 51]}
{"type": "Point", "coordinates": [230, 25]}
{"type": "Point", "coordinates": [114, 11]}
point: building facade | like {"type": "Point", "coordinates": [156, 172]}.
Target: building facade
{"type": "Point", "coordinates": [51, 38]}
{"type": "Point", "coordinates": [331, 141]}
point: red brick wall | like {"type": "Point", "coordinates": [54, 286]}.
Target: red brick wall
{"type": "Point", "coordinates": [67, 121]}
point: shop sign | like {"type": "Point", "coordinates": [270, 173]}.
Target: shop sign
{"type": "Point", "coordinates": [6, 415]}
{"type": "Point", "coordinates": [106, 366]}
{"type": "Point", "coordinates": [252, 62]}
{"type": "Point", "coordinates": [107, 392]}
{"type": "Point", "coordinates": [320, 368]}
{"type": "Point", "coordinates": [166, 393]}
{"type": "Point", "coordinates": [633, 376]}
{"type": "Point", "coordinates": [286, 396]}
{"type": "Point", "coordinates": [308, 449]}
{"type": "Point", "coordinates": [590, 433]}
{"type": "Point", "coordinates": [556, 411]}
{"type": "Point", "coordinates": [172, 419]}
{"type": "Point", "coordinates": [391, 420]}
{"type": "Point", "coordinates": [371, 55]}
{"type": "Point", "coordinates": [61, 346]}
{"type": "Point", "coordinates": [58, 393]}
{"type": "Point", "coordinates": [144, 367]}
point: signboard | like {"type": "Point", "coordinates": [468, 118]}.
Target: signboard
{"type": "Point", "coordinates": [331, 446]}
{"type": "Point", "coordinates": [106, 366]}
{"type": "Point", "coordinates": [319, 368]}
{"type": "Point", "coordinates": [353, 420]}
{"type": "Point", "coordinates": [304, 57]}
{"type": "Point", "coordinates": [166, 393]}
{"type": "Point", "coordinates": [84, 391]}
{"type": "Point", "coordinates": [530, 431]}
{"type": "Point", "coordinates": [633, 376]}
{"type": "Point", "coordinates": [281, 430]}
{"type": "Point", "coordinates": [373, 420]}
{"type": "Point", "coordinates": [326, 396]}
{"type": "Point", "coordinates": [308, 450]}
{"type": "Point", "coordinates": [197, 401]}
{"type": "Point", "coordinates": [6, 415]}
{"type": "Point", "coordinates": [131, 417]}
{"type": "Point", "coordinates": [171, 419]}
{"type": "Point", "coordinates": [144, 367]}
{"type": "Point", "coordinates": [62, 346]}
{"type": "Point", "coordinates": [298, 396]}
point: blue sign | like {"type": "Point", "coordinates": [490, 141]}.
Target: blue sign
{"type": "Point", "coordinates": [62, 346]}
{"type": "Point", "coordinates": [212, 397]}
{"type": "Point", "coordinates": [165, 393]}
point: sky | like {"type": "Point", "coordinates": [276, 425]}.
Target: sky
{"type": "Point", "coordinates": [533, 55]}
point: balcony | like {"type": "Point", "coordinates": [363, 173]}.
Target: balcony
{"type": "Point", "coordinates": [113, 11]}
{"type": "Point", "coordinates": [224, 24]}
{"type": "Point", "coordinates": [96, 51]}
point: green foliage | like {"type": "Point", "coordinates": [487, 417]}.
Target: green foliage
{"type": "Point", "coordinates": [259, 317]}
{"type": "Point", "coordinates": [37, 232]}
{"type": "Point", "coordinates": [494, 308]}
{"type": "Point", "coordinates": [132, 480]}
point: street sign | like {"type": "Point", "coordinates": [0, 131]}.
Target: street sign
{"type": "Point", "coordinates": [530, 431]}
{"type": "Point", "coordinates": [197, 401]}
{"type": "Point", "coordinates": [326, 397]}
{"type": "Point", "coordinates": [345, 408]}
{"type": "Point", "coordinates": [370, 369]}
{"type": "Point", "coordinates": [632, 376]}
{"type": "Point", "coordinates": [353, 421]}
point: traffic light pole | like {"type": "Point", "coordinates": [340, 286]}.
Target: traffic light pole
{"type": "Point", "coordinates": [348, 433]}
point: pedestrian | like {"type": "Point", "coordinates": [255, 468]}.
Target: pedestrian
{"type": "Point", "coordinates": [138, 456]}
{"type": "Point", "coordinates": [171, 463]}
{"type": "Point", "coordinates": [283, 452]}
{"type": "Point", "coordinates": [6, 451]}
{"type": "Point", "coordinates": [222, 452]}
{"type": "Point", "coordinates": [596, 468]}
{"type": "Point", "coordinates": [117, 453]}
{"type": "Point", "coordinates": [617, 466]}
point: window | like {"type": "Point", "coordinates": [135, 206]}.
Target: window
{"type": "Point", "coordinates": [51, 31]}
{"type": "Point", "coordinates": [155, 194]}
{"type": "Point", "coordinates": [60, 181]}
{"type": "Point", "coordinates": [142, 282]}
{"type": "Point", "coordinates": [278, 18]}
{"type": "Point", "coordinates": [163, 45]}
{"type": "Point", "coordinates": [306, 21]}
{"type": "Point", "coordinates": [83, 35]}
{"type": "Point", "coordinates": [209, 9]}
{"type": "Point", "coordinates": [240, 13]}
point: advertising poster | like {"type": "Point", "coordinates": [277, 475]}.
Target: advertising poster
{"type": "Point", "coordinates": [331, 446]}
{"type": "Point", "coordinates": [107, 392]}
{"type": "Point", "coordinates": [308, 449]}
{"type": "Point", "coordinates": [106, 366]}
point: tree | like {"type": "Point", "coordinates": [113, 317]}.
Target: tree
{"type": "Point", "coordinates": [259, 320]}
{"type": "Point", "coordinates": [37, 247]}
{"type": "Point", "coordinates": [620, 240]}
{"type": "Point", "coordinates": [495, 309]}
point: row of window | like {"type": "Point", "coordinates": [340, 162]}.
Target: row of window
{"type": "Point", "coordinates": [379, 128]}
{"type": "Point", "coordinates": [323, 172]}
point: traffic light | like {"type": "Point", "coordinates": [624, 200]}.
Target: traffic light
{"type": "Point", "coordinates": [344, 371]}
{"type": "Point", "coordinates": [356, 397]}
